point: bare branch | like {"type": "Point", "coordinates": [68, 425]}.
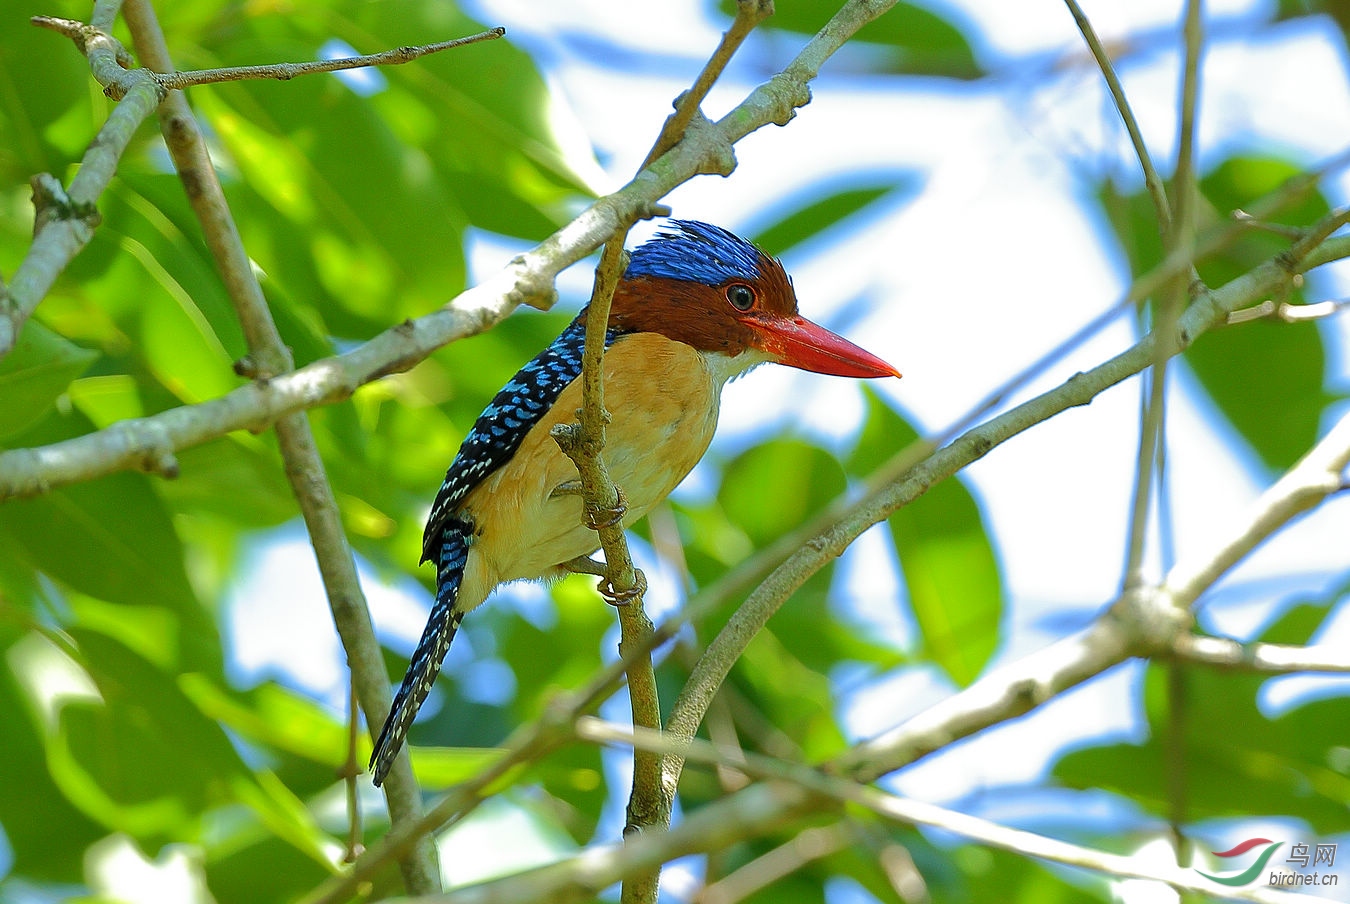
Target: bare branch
{"type": "Point", "coordinates": [816, 785]}
{"type": "Point", "coordinates": [1278, 659]}
{"type": "Point", "coordinates": [1317, 475]}
{"type": "Point", "coordinates": [304, 467]}
{"type": "Point", "coordinates": [173, 81]}
{"type": "Point", "coordinates": [583, 443]}
{"type": "Point", "coordinates": [1289, 313]}
{"type": "Point", "coordinates": [66, 219]}
{"type": "Point", "coordinates": [899, 482]}
{"type": "Point", "coordinates": [749, 13]}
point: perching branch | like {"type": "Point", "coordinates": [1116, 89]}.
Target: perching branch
{"type": "Point", "coordinates": [583, 442]}
{"type": "Point", "coordinates": [650, 801]}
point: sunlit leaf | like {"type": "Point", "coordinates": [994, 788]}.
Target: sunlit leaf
{"type": "Point", "coordinates": [46, 836]}
{"type": "Point", "coordinates": [777, 485]}
{"type": "Point", "coordinates": [39, 369]}
{"type": "Point", "coordinates": [819, 214]}
{"type": "Point", "coordinates": [948, 562]}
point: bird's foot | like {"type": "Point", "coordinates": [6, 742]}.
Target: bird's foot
{"type": "Point", "coordinates": [566, 488]}
{"type": "Point", "coordinates": [617, 597]}
{"type": "Point", "coordinates": [598, 518]}
{"type": "Point", "coordinates": [584, 565]}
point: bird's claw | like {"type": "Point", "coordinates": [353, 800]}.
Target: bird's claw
{"type": "Point", "coordinates": [616, 597]}
{"type": "Point", "coordinates": [584, 565]}
{"type": "Point", "coordinates": [600, 518]}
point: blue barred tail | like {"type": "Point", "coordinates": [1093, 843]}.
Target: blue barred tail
{"type": "Point", "coordinates": [431, 649]}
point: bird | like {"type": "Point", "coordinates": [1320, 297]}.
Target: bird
{"type": "Point", "coordinates": [696, 306]}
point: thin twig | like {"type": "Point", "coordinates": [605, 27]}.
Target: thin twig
{"type": "Point", "coordinates": [351, 772]}
{"type": "Point", "coordinates": [1179, 239]}
{"type": "Point", "coordinates": [109, 61]}
{"type": "Point", "coordinates": [1289, 313]}
{"type": "Point", "coordinates": [1282, 230]}
{"type": "Point", "coordinates": [1268, 658]}
{"type": "Point", "coordinates": [1152, 181]}
{"type": "Point", "coordinates": [810, 844]}
{"type": "Point", "coordinates": [112, 65]}
{"type": "Point", "coordinates": [749, 13]}
{"type": "Point", "coordinates": [174, 81]}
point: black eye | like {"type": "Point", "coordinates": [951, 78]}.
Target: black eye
{"type": "Point", "coordinates": [741, 296]}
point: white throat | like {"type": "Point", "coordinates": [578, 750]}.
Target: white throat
{"type": "Point", "coordinates": [723, 367]}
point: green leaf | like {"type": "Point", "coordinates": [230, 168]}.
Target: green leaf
{"type": "Point", "coordinates": [45, 833]}
{"type": "Point", "coordinates": [112, 539]}
{"type": "Point", "coordinates": [263, 869]}
{"type": "Point", "coordinates": [796, 699]}
{"type": "Point", "coordinates": [916, 41]}
{"type": "Point", "coordinates": [947, 559]}
{"type": "Point", "coordinates": [141, 759]}
{"type": "Point", "coordinates": [814, 217]}
{"type": "Point", "coordinates": [775, 486]}
{"type": "Point", "coordinates": [40, 368]}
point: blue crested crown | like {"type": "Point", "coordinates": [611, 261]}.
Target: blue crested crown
{"type": "Point", "coordinates": [696, 252]}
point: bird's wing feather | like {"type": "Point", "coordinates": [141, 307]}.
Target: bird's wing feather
{"type": "Point", "coordinates": [502, 426]}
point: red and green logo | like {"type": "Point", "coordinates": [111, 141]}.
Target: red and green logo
{"type": "Point", "coordinates": [1249, 874]}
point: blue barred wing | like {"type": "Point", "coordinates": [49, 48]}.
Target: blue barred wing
{"type": "Point", "coordinates": [502, 426]}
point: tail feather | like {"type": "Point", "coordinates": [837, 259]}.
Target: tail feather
{"type": "Point", "coordinates": [431, 649]}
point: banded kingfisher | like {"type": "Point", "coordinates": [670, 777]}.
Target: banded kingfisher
{"type": "Point", "coordinates": [696, 306]}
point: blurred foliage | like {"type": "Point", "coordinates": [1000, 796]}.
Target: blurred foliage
{"type": "Point", "coordinates": [907, 40]}
{"type": "Point", "coordinates": [1265, 376]}
{"type": "Point", "coordinates": [1239, 758]}
{"type": "Point", "coordinates": [354, 203]}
